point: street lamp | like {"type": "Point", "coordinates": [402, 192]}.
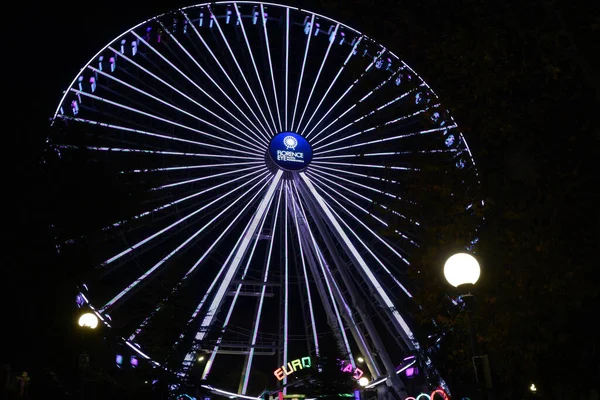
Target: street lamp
{"type": "Point", "coordinates": [533, 388]}
{"type": "Point", "coordinates": [462, 271]}
{"type": "Point", "coordinates": [88, 320]}
{"type": "Point", "coordinates": [364, 381]}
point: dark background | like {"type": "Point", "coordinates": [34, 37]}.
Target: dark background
{"type": "Point", "coordinates": [521, 79]}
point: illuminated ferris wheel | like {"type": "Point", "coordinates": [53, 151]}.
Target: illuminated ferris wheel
{"type": "Point", "coordinates": [280, 144]}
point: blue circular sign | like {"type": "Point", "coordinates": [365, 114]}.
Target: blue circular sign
{"type": "Point", "coordinates": [290, 151]}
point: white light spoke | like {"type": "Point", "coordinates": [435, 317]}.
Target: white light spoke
{"type": "Point", "coordinates": [240, 69]}
{"type": "Point", "coordinates": [236, 260]}
{"type": "Point", "coordinates": [231, 265]}
{"type": "Point", "coordinates": [318, 255]}
{"type": "Point", "coordinates": [190, 167]}
{"type": "Point", "coordinates": [366, 165]}
{"type": "Point", "coordinates": [114, 103]}
{"type": "Point", "coordinates": [387, 139]}
{"type": "Point", "coordinates": [359, 119]}
{"type": "Point", "coordinates": [369, 275]}
{"type": "Point", "coordinates": [355, 104]}
{"type": "Point", "coordinates": [270, 64]}
{"type": "Point", "coordinates": [367, 248]}
{"type": "Point", "coordinates": [335, 78]}
{"type": "Point", "coordinates": [190, 271]}
{"type": "Point", "coordinates": [190, 357]}
{"type": "Point", "coordinates": [236, 295]}
{"type": "Point", "coordinates": [295, 201]}
{"type": "Point", "coordinates": [318, 177]}
{"type": "Point", "coordinates": [265, 279]}
{"type": "Point", "coordinates": [195, 194]}
{"type": "Point", "coordinates": [160, 152]}
{"type": "Point", "coordinates": [287, 62]}
{"type": "Point", "coordinates": [385, 243]}
{"type": "Point", "coordinates": [193, 82]}
{"type": "Point", "coordinates": [316, 81]}
{"type": "Point", "coordinates": [393, 196]}
{"type": "Point", "coordinates": [157, 135]}
{"type": "Point", "coordinates": [179, 221]}
{"type": "Point", "coordinates": [346, 137]}
{"type": "Point", "coordinates": [286, 287]}
{"type": "Point", "coordinates": [143, 277]}
{"type": "Point", "coordinates": [308, 37]}
{"type": "Point", "coordinates": [191, 100]}
{"type": "Point", "coordinates": [386, 153]}
{"type": "Point", "coordinates": [250, 52]}
{"type": "Point", "coordinates": [170, 185]}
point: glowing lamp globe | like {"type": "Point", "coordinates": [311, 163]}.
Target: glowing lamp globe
{"type": "Point", "coordinates": [364, 381]}
{"type": "Point", "coordinates": [88, 320]}
{"type": "Point", "coordinates": [461, 268]}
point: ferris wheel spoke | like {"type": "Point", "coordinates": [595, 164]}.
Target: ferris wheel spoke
{"type": "Point", "coordinates": [318, 177]}
{"type": "Point", "coordinates": [236, 295]}
{"type": "Point", "coordinates": [335, 78]}
{"type": "Point", "coordinates": [217, 276]}
{"type": "Point", "coordinates": [151, 134]}
{"type": "Point", "coordinates": [189, 167]}
{"type": "Point", "coordinates": [191, 271]}
{"type": "Point", "coordinates": [251, 53]}
{"type": "Point", "coordinates": [286, 287]}
{"type": "Point", "coordinates": [249, 358]}
{"type": "Point", "coordinates": [316, 81]}
{"type": "Point", "coordinates": [374, 128]}
{"type": "Point", "coordinates": [241, 71]}
{"type": "Point", "coordinates": [385, 243]}
{"type": "Point", "coordinates": [205, 73]}
{"type": "Point", "coordinates": [387, 139]}
{"type": "Point", "coordinates": [320, 170]}
{"type": "Point", "coordinates": [387, 153]}
{"type": "Point", "coordinates": [295, 209]}
{"type": "Point", "coordinates": [308, 37]}
{"type": "Point", "coordinates": [271, 65]}
{"type": "Point", "coordinates": [352, 86]}
{"type": "Point", "coordinates": [378, 166]}
{"type": "Point", "coordinates": [368, 249]}
{"type": "Point", "coordinates": [362, 117]}
{"type": "Point", "coordinates": [287, 63]}
{"type": "Point", "coordinates": [256, 139]}
{"type": "Point", "coordinates": [368, 274]}
{"type": "Point", "coordinates": [114, 103]}
{"type": "Point", "coordinates": [328, 296]}
{"type": "Point", "coordinates": [179, 183]}
{"type": "Point", "coordinates": [357, 206]}
{"type": "Point", "coordinates": [256, 174]}
{"type": "Point", "coordinates": [143, 277]}
{"type": "Point", "coordinates": [155, 235]}
{"type": "Point", "coordinates": [159, 152]}
{"type": "Point", "coordinates": [230, 268]}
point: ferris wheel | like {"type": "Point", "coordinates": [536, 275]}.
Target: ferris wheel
{"type": "Point", "coordinates": [279, 145]}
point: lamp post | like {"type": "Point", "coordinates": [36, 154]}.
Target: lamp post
{"type": "Point", "coordinates": [87, 322]}
{"type": "Point", "coordinates": [462, 271]}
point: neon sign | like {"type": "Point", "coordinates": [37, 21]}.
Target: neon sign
{"type": "Point", "coordinates": [290, 151]}
{"type": "Point", "coordinates": [425, 396]}
{"type": "Point", "coordinates": [292, 366]}
{"type": "Point", "coordinates": [356, 372]}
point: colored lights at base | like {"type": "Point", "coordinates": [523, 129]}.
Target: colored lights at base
{"type": "Point", "coordinates": [435, 395]}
